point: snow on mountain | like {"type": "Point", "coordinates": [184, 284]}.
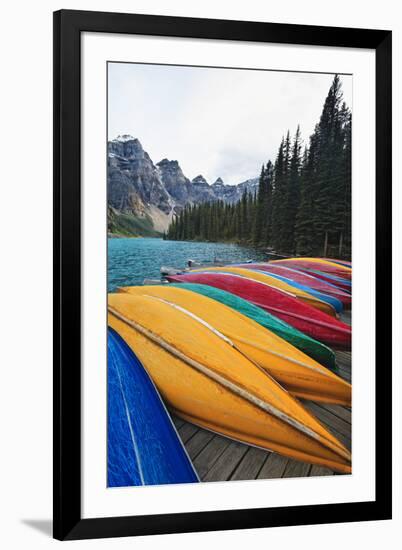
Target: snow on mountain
{"type": "Point", "coordinates": [123, 138]}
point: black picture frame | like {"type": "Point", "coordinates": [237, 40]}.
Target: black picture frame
{"type": "Point", "coordinates": [68, 26]}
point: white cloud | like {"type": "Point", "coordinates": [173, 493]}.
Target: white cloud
{"type": "Point", "coordinates": [215, 122]}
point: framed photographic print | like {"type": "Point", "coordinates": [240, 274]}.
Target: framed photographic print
{"type": "Point", "coordinates": [215, 182]}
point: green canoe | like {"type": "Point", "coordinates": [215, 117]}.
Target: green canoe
{"type": "Point", "coordinates": [321, 353]}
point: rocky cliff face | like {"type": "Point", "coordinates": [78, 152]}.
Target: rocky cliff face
{"type": "Point", "coordinates": [138, 187]}
{"type": "Point", "coordinates": [133, 180]}
{"type": "Point", "coordinates": [176, 184]}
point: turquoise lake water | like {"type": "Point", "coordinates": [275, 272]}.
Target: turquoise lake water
{"type": "Point", "coordinates": [130, 261]}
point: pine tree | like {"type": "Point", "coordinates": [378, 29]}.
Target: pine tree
{"type": "Point", "coordinates": [324, 212]}
{"type": "Point", "coordinates": [304, 226]}
{"type": "Point", "coordinates": [279, 186]}
{"type": "Point", "coordinates": [328, 173]}
{"type": "Point", "coordinates": [292, 195]}
{"type": "Point", "coordinates": [259, 219]}
{"type": "Point", "coordinates": [267, 205]}
{"type": "Point", "coordinates": [345, 241]}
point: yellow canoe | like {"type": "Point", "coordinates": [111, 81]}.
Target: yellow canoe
{"type": "Point", "coordinates": [204, 380]}
{"type": "Point", "coordinates": [297, 372]}
{"type": "Point", "coordinates": [323, 261]}
{"type": "Point", "coordinates": [276, 283]}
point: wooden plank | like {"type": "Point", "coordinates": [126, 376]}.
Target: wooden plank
{"type": "Point", "coordinates": [345, 374]}
{"type": "Point", "coordinates": [227, 462]}
{"type": "Point", "coordinates": [344, 364]}
{"type": "Point", "coordinates": [250, 465]}
{"type": "Point", "coordinates": [273, 467]}
{"type": "Point", "coordinates": [338, 410]}
{"type": "Point", "coordinates": [198, 442]}
{"type": "Point", "coordinates": [345, 356]}
{"type": "Point", "coordinates": [343, 367]}
{"type": "Point", "coordinates": [330, 419]}
{"type": "Point", "coordinates": [295, 468]}
{"type": "Point", "coordinates": [344, 370]}
{"type": "Point", "coordinates": [178, 422]}
{"type": "Point", "coordinates": [210, 454]}
{"type": "Point", "coordinates": [187, 430]}
{"type": "Point", "coordinates": [345, 440]}
{"type": "Point", "coordinates": [320, 471]}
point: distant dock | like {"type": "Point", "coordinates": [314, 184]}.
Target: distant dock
{"type": "Point", "coordinates": [217, 458]}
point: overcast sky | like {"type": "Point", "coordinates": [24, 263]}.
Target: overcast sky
{"type": "Point", "coordinates": [215, 122]}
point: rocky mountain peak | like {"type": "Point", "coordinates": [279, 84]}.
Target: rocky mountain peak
{"type": "Point", "coordinates": [200, 181]}
{"type": "Point", "coordinates": [167, 163]}
{"type": "Point", "coordinates": [127, 147]}
{"type": "Point", "coordinates": [218, 183]}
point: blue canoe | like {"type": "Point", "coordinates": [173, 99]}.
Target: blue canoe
{"type": "Point", "coordinates": [331, 300]}
{"type": "Point", "coordinates": [337, 281]}
{"type": "Point", "coordinates": [143, 445]}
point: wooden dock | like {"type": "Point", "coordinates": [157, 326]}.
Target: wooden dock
{"type": "Point", "coordinates": [217, 458]}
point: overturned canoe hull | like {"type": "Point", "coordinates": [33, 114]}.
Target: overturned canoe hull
{"type": "Point", "coordinates": [295, 371]}
{"type": "Point", "coordinates": [275, 283]}
{"type": "Point", "coordinates": [344, 263]}
{"type": "Point", "coordinates": [318, 351]}
{"type": "Point", "coordinates": [143, 445]}
{"type": "Point", "coordinates": [317, 263]}
{"type": "Point", "coordinates": [305, 279]}
{"type": "Point", "coordinates": [331, 300]}
{"type": "Point", "coordinates": [343, 284]}
{"type": "Point", "coordinates": [202, 377]}
{"type": "Point", "coordinates": [309, 320]}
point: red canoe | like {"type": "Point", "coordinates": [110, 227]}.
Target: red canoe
{"type": "Point", "coordinates": [339, 282]}
{"type": "Point", "coordinates": [325, 267]}
{"type": "Point", "coordinates": [304, 279]}
{"type": "Point", "coordinates": [311, 321]}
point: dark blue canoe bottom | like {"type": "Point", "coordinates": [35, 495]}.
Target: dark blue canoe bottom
{"type": "Point", "coordinates": [143, 445]}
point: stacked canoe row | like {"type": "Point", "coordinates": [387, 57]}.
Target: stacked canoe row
{"type": "Point", "coordinates": [231, 349]}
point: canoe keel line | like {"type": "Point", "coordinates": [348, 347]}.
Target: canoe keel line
{"type": "Point", "coordinates": [316, 324]}
{"type": "Point", "coordinates": [314, 349]}
{"type": "Point", "coordinates": [298, 373]}
{"type": "Point", "coordinates": [341, 460]}
{"type": "Point", "coordinates": [229, 339]}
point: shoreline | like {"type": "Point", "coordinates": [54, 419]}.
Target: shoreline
{"type": "Point", "coordinates": [120, 236]}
